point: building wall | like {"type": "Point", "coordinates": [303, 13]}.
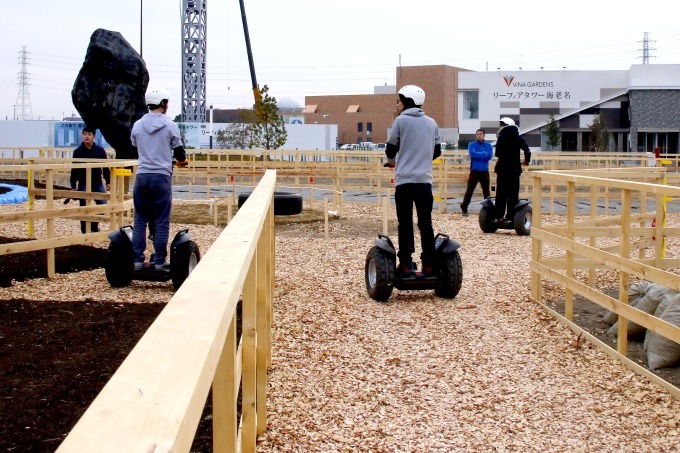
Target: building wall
{"type": "Point", "coordinates": [440, 83]}
{"type": "Point", "coordinates": [377, 109]}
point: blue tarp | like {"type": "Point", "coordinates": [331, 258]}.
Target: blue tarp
{"type": "Point", "coordinates": [17, 194]}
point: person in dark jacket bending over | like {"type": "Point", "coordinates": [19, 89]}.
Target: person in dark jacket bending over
{"type": "Point", "coordinates": [508, 169]}
{"type": "Point", "coordinates": [481, 153]}
{"type": "Point", "coordinates": [90, 150]}
{"type": "Point", "coordinates": [414, 136]}
{"type": "Point", "coordinates": [156, 138]}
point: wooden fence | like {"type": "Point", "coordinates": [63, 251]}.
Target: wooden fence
{"type": "Point", "coordinates": [116, 212]}
{"type": "Point", "coordinates": [155, 400]}
{"type": "Point", "coordinates": [628, 243]}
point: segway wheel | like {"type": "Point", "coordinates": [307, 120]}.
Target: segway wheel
{"type": "Point", "coordinates": [118, 265]}
{"type": "Point", "coordinates": [523, 220]}
{"type": "Point", "coordinates": [450, 276]}
{"type": "Point", "coordinates": [183, 261]}
{"type": "Point", "coordinates": [380, 269]}
{"type": "Point", "coordinates": [486, 220]}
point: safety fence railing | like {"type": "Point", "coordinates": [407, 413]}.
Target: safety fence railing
{"type": "Point", "coordinates": [222, 174]}
{"type": "Point", "coordinates": [155, 399]}
{"type": "Point", "coordinates": [116, 211]}
{"type": "Point", "coordinates": [594, 246]}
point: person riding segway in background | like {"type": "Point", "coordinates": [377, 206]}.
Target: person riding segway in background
{"type": "Point", "coordinates": [508, 170]}
{"type": "Point", "coordinates": [415, 137]}
{"type": "Point", "coordinates": [155, 138]}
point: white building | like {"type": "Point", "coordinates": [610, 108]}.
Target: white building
{"type": "Point", "coordinates": [641, 105]}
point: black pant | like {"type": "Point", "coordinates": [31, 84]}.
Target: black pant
{"type": "Point", "coordinates": [405, 196]}
{"type": "Point", "coordinates": [476, 176]}
{"type": "Point", "coordinates": [507, 194]}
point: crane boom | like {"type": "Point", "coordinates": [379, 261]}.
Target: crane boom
{"type": "Point", "coordinates": [251, 63]}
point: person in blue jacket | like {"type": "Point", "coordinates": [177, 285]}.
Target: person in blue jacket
{"type": "Point", "coordinates": [90, 150]}
{"type": "Point", "coordinates": [156, 139]}
{"type": "Point", "coordinates": [481, 153]}
{"type": "Point", "coordinates": [415, 137]}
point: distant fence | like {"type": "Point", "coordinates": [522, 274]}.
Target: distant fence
{"type": "Point", "coordinates": [154, 401]}
{"type": "Point", "coordinates": [627, 244]}
{"type": "Point", "coordinates": [215, 173]}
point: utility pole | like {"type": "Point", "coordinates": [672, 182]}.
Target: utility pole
{"type": "Point", "coordinates": [23, 96]}
{"type": "Point", "coordinates": [646, 50]}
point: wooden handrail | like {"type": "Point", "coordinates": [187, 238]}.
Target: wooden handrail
{"type": "Point", "coordinates": [155, 399]}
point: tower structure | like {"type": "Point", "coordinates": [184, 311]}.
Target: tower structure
{"type": "Point", "coordinates": [194, 41]}
{"type": "Point", "coordinates": [646, 50]}
{"type": "Point", "coordinates": [23, 105]}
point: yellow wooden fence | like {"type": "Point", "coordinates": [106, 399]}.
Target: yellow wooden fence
{"type": "Point", "coordinates": [154, 401]}
{"type": "Point", "coordinates": [116, 212]}
{"type": "Point", "coordinates": [628, 243]}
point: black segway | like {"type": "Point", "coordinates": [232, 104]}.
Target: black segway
{"type": "Point", "coordinates": [382, 276]}
{"type": "Point", "coordinates": [521, 222]}
{"type": "Point", "coordinates": [119, 266]}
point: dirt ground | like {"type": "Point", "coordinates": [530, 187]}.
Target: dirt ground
{"type": "Point", "coordinates": [588, 316]}
{"type": "Point", "coordinates": [56, 357]}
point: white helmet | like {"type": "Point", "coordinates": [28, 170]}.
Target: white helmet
{"type": "Point", "coordinates": [507, 121]}
{"type": "Point", "coordinates": [413, 92]}
{"type": "Point", "coordinates": [155, 95]}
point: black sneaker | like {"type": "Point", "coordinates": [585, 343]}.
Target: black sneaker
{"type": "Point", "coordinates": [464, 210]}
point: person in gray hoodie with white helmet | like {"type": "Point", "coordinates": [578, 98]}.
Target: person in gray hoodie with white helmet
{"type": "Point", "coordinates": [156, 138]}
{"type": "Point", "coordinates": [414, 136]}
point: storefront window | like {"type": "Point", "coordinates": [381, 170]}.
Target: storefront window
{"type": "Point", "coordinates": [471, 105]}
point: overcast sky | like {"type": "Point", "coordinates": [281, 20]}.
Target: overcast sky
{"type": "Point", "coordinates": [308, 47]}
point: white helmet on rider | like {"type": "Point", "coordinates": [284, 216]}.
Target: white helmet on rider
{"type": "Point", "coordinates": [156, 95]}
{"type": "Point", "coordinates": [507, 121]}
{"type": "Point", "coordinates": [415, 93]}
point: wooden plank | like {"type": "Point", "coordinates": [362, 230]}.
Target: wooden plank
{"type": "Point", "coordinates": [670, 388]}
{"type": "Point", "coordinates": [157, 395]}
{"type": "Point", "coordinates": [640, 270]}
{"type": "Point", "coordinates": [624, 310]}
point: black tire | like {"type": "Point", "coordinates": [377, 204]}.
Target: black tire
{"type": "Point", "coordinates": [450, 276]}
{"type": "Point", "coordinates": [379, 274]}
{"type": "Point", "coordinates": [486, 220]}
{"type": "Point", "coordinates": [183, 260]}
{"type": "Point", "coordinates": [118, 265]}
{"type": "Point", "coordinates": [522, 220]}
{"type": "Point", "coordinates": [285, 203]}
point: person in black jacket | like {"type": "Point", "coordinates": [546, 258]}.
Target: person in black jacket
{"type": "Point", "coordinates": [508, 169]}
{"type": "Point", "coordinates": [90, 150]}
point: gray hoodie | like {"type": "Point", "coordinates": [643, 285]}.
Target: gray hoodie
{"type": "Point", "coordinates": [416, 135]}
{"type": "Point", "coordinates": [155, 136]}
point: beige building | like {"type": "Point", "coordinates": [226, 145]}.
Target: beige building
{"type": "Point", "coordinates": [367, 117]}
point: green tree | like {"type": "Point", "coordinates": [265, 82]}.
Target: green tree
{"type": "Point", "coordinates": [553, 133]}
{"type": "Point", "coordinates": [234, 136]}
{"type": "Point", "coordinates": [599, 135]}
{"type": "Point", "coordinates": [268, 131]}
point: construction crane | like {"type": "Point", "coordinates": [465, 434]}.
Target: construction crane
{"type": "Point", "coordinates": [251, 63]}
{"type": "Point", "coordinates": [194, 42]}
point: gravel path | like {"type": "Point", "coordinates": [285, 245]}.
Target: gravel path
{"type": "Point", "coordinates": [487, 371]}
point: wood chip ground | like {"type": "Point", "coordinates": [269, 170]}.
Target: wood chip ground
{"type": "Point", "coordinates": [487, 371]}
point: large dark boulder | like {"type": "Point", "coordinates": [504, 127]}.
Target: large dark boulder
{"type": "Point", "coordinates": [110, 87]}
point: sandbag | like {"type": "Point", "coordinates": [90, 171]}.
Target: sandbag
{"type": "Point", "coordinates": [662, 352]}
{"type": "Point", "coordinates": [648, 303]}
{"type": "Point", "coordinates": [110, 87]}
{"type": "Point", "coordinates": [671, 299]}
{"type": "Point", "coordinates": [635, 291]}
